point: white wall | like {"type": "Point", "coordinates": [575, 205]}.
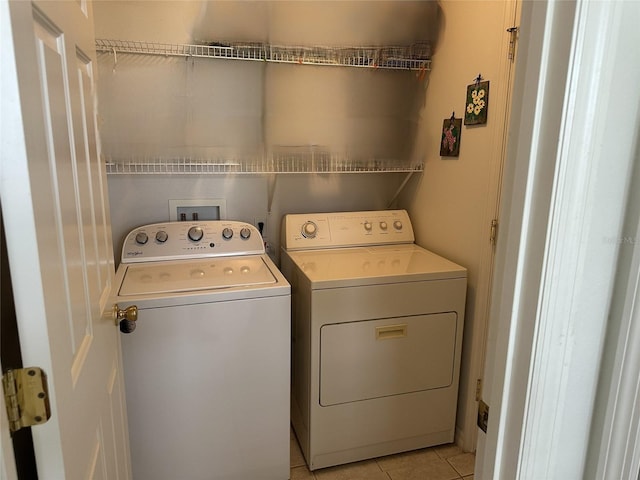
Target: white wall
{"type": "Point", "coordinates": [139, 199]}
{"type": "Point", "coordinates": [452, 203]}
{"type": "Point", "coordinates": [152, 107]}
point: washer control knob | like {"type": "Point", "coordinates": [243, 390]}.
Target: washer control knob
{"type": "Point", "coordinates": [245, 233]}
{"type": "Point", "coordinates": [368, 226]}
{"type": "Point", "coordinates": [161, 236]}
{"type": "Point", "coordinates": [141, 238]}
{"type": "Point", "coordinates": [196, 234]}
{"type": "Point", "coordinates": [227, 233]}
{"type": "Point", "coordinates": [397, 225]}
{"type": "Point", "coordinates": [309, 229]}
{"type": "Point", "coordinates": [383, 225]}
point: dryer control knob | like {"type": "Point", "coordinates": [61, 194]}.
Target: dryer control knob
{"type": "Point", "coordinates": [367, 226]}
{"type": "Point", "coordinates": [141, 238]}
{"type": "Point", "coordinates": [227, 233]}
{"type": "Point", "coordinates": [309, 229]}
{"type": "Point", "coordinates": [397, 225]}
{"type": "Point", "coordinates": [383, 225]}
{"type": "Point", "coordinates": [161, 236]}
{"type": "Point", "coordinates": [245, 233]}
{"type": "Point", "coordinates": [196, 234]}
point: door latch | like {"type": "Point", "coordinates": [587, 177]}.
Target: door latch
{"type": "Point", "coordinates": [483, 416]}
{"type": "Point", "coordinates": [126, 318]}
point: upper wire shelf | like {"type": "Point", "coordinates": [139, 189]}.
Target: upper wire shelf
{"type": "Point", "coordinates": [285, 162]}
{"type": "Point", "coordinates": [411, 57]}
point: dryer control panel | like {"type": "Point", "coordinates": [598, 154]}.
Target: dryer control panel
{"type": "Point", "coordinates": [346, 229]}
{"type": "Point", "coordinates": [183, 240]}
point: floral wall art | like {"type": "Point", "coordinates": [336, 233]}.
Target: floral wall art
{"type": "Point", "coordinates": [477, 103]}
{"type": "Point", "coordinates": [475, 113]}
{"type": "Point", "coordinates": [450, 143]}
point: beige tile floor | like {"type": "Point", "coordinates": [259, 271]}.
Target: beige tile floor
{"type": "Point", "coordinates": [445, 462]}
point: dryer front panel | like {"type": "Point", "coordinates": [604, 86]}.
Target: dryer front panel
{"type": "Point", "coordinates": [379, 358]}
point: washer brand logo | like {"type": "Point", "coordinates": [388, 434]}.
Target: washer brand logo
{"type": "Point", "coordinates": [134, 253]}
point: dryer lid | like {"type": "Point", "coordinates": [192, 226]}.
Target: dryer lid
{"type": "Point", "coordinates": [355, 266]}
{"type": "Point", "coordinates": [196, 275]}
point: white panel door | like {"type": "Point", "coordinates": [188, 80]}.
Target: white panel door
{"type": "Point", "coordinates": [56, 215]}
{"type": "Point", "coordinates": [567, 271]}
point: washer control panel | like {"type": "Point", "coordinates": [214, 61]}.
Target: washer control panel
{"type": "Point", "coordinates": [182, 240]}
{"type": "Point", "coordinates": [346, 229]}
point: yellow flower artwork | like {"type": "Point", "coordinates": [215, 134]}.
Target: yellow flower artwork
{"type": "Point", "coordinates": [477, 103]}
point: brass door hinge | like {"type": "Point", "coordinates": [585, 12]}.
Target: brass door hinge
{"type": "Point", "coordinates": [26, 397]}
{"type": "Point", "coordinates": [478, 389]}
{"type": "Point", "coordinates": [513, 32]}
{"type": "Point", "coordinates": [493, 232]}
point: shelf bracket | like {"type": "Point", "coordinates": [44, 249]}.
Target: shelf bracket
{"type": "Point", "coordinates": [115, 60]}
{"type": "Point", "coordinates": [271, 188]}
{"type": "Point", "coordinates": [400, 188]}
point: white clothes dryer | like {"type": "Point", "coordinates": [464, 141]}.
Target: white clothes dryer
{"type": "Point", "coordinates": [207, 369]}
{"type": "Point", "coordinates": [377, 332]}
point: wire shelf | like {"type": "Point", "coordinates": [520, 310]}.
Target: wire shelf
{"type": "Point", "coordinates": [283, 162]}
{"type": "Point", "coordinates": [411, 57]}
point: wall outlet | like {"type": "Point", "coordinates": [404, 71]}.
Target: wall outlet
{"type": "Point", "coordinates": [197, 209]}
{"type": "Point", "coordinates": [198, 212]}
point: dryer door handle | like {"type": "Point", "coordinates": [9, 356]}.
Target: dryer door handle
{"type": "Point", "coordinates": [391, 331]}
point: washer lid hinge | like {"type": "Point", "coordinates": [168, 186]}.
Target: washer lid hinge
{"type": "Point", "coordinates": [26, 397]}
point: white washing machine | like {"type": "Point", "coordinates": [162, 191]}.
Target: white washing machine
{"type": "Point", "coordinates": [377, 332]}
{"type": "Point", "coordinates": [207, 369]}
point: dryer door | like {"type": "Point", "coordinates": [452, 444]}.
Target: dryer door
{"type": "Point", "coordinates": [393, 356]}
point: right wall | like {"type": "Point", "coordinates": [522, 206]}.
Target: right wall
{"type": "Point", "coordinates": [453, 201]}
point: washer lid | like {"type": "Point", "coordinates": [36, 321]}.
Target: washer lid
{"type": "Point", "coordinates": [195, 275]}
{"type": "Point", "coordinates": [355, 266]}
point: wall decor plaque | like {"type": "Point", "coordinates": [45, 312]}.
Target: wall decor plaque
{"type": "Point", "coordinates": [477, 103]}
{"type": "Point", "coordinates": [450, 142]}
